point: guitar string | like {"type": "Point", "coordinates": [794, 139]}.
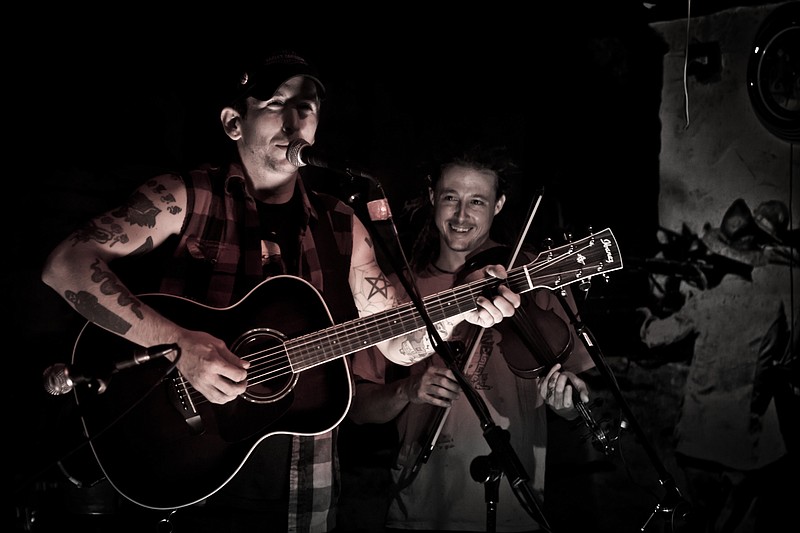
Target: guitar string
{"type": "Point", "coordinates": [357, 336]}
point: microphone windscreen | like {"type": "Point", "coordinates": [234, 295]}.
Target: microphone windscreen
{"type": "Point", "coordinates": [293, 152]}
{"type": "Point", "coordinates": [57, 380]}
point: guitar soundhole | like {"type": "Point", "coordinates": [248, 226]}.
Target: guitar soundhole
{"type": "Point", "coordinates": [270, 376]}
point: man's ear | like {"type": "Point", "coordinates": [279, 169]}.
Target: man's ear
{"type": "Point", "coordinates": [230, 122]}
{"type": "Point", "coordinates": [431, 195]}
{"type": "Point", "coordinates": [498, 206]}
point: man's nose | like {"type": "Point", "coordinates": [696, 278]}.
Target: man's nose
{"type": "Point", "coordinates": [291, 120]}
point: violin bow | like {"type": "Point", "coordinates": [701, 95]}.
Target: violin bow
{"type": "Point", "coordinates": [471, 347]}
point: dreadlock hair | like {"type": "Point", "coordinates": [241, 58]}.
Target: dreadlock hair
{"type": "Point", "coordinates": [491, 158]}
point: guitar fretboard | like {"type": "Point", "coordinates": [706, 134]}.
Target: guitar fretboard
{"type": "Point", "coordinates": [591, 256]}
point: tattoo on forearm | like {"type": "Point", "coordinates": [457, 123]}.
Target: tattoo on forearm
{"type": "Point", "coordinates": [110, 285]}
{"type": "Point", "coordinates": [416, 346]}
{"type": "Point", "coordinates": [86, 304]}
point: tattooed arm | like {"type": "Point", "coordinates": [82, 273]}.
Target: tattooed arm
{"type": "Point", "coordinates": [78, 269]}
{"type": "Point", "coordinates": [373, 292]}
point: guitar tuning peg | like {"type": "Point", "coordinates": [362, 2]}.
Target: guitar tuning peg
{"type": "Point", "coordinates": [568, 238]}
{"type": "Point", "coordinates": [590, 229]}
{"type": "Point", "coordinates": [547, 244]}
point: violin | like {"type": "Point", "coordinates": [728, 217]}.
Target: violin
{"type": "Point", "coordinates": [545, 335]}
{"type": "Point", "coordinates": [546, 338]}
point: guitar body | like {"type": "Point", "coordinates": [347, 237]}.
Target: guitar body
{"type": "Point", "coordinates": [160, 443]}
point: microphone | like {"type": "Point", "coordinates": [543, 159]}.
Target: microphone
{"type": "Point", "coordinates": [61, 378]}
{"type": "Point", "coordinates": [300, 153]}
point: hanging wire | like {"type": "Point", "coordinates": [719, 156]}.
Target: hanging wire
{"type": "Point", "coordinates": [792, 255]}
{"type": "Point", "coordinates": [686, 62]}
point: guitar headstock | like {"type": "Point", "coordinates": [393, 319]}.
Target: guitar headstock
{"type": "Point", "coordinates": [594, 255]}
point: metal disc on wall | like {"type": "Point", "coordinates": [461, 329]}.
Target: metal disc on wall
{"type": "Point", "coordinates": [773, 73]}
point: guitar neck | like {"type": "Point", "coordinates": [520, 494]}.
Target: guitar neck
{"type": "Point", "coordinates": [553, 269]}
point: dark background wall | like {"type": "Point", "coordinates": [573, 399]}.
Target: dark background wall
{"type": "Point", "coordinates": [574, 91]}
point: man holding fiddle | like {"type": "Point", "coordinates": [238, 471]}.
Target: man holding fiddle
{"type": "Point", "coordinates": [465, 195]}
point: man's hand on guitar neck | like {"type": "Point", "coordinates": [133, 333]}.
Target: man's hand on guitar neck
{"type": "Point", "coordinates": [503, 304]}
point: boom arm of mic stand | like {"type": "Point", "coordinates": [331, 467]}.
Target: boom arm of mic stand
{"type": "Point", "coordinates": [497, 438]}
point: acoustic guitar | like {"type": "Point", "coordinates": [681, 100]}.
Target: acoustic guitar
{"type": "Point", "coordinates": [162, 445]}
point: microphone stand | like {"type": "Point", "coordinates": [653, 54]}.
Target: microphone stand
{"type": "Point", "coordinates": [58, 382]}
{"type": "Point", "coordinates": [485, 470]}
{"type": "Point", "coordinates": [497, 438]}
{"type": "Point", "coordinates": [672, 496]}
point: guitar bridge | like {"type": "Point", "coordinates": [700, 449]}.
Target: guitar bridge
{"type": "Point", "coordinates": [182, 401]}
